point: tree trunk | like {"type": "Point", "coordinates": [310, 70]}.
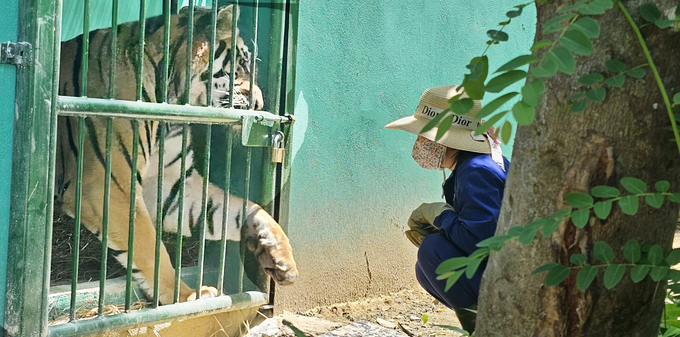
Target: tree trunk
{"type": "Point", "coordinates": [563, 152]}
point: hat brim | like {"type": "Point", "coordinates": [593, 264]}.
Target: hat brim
{"type": "Point", "coordinates": [455, 137]}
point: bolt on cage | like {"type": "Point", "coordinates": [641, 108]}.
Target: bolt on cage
{"type": "Point", "coordinates": [28, 297]}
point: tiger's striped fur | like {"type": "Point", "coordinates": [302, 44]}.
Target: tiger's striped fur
{"type": "Point", "coordinates": [263, 235]}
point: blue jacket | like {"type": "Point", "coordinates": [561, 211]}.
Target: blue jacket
{"type": "Point", "coordinates": [475, 191]}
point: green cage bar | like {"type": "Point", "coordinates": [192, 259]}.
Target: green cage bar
{"type": "Point", "coordinates": [133, 208]}
{"type": "Point", "coordinates": [232, 70]}
{"type": "Point", "coordinates": [204, 212]}
{"type": "Point", "coordinates": [114, 48]}
{"type": "Point", "coordinates": [86, 48]}
{"type": "Point", "coordinates": [225, 208]}
{"type": "Point", "coordinates": [180, 213]}
{"type": "Point", "coordinates": [105, 219]}
{"type": "Point", "coordinates": [159, 212]}
{"type": "Point", "coordinates": [96, 107]}
{"type": "Point", "coordinates": [244, 215]}
{"type": "Point", "coordinates": [76, 222]}
{"type": "Point", "coordinates": [256, 8]}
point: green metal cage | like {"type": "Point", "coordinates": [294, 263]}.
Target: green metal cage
{"type": "Point", "coordinates": [29, 296]}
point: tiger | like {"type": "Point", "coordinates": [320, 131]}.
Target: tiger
{"type": "Point", "coordinates": [262, 234]}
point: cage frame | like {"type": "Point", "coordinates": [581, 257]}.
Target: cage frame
{"type": "Point", "coordinates": [37, 108]}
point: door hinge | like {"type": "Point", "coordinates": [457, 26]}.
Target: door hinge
{"type": "Point", "coordinates": [18, 54]}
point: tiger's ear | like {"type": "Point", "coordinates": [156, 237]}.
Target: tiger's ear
{"type": "Point", "coordinates": [225, 18]}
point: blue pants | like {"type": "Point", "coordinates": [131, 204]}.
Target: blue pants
{"type": "Point", "coordinates": [434, 250]}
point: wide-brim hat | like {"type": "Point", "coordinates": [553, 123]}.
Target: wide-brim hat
{"type": "Point", "coordinates": [461, 134]}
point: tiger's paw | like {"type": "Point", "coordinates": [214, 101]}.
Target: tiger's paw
{"type": "Point", "coordinates": [206, 292]}
{"type": "Point", "coordinates": [266, 239]}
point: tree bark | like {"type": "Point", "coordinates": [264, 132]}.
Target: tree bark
{"type": "Point", "coordinates": [563, 152]}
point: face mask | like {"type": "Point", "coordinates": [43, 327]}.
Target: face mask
{"type": "Point", "coordinates": [428, 154]}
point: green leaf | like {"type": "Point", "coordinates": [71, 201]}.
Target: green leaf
{"type": "Point", "coordinates": [674, 197]}
{"type": "Point", "coordinates": [480, 253]}
{"type": "Point", "coordinates": [545, 267]}
{"type": "Point", "coordinates": [452, 264]}
{"type": "Point", "coordinates": [655, 200]}
{"type": "Point", "coordinates": [563, 59]}
{"type": "Point", "coordinates": [662, 186]}
{"type": "Point", "coordinates": [658, 273]}
{"type": "Point", "coordinates": [677, 12]}
{"type": "Point", "coordinates": [540, 44]}
{"type": "Point", "coordinates": [604, 192]}
{"type": "Point", "coordinates": [472, 268]}
{"type": "Point", "coordinates": [532, 91]}
{"type": "Point", "coordinates": [500, 82]}
{"type": "Point", "coordinates": [615, 66]}
{"type": "Point", "coordinates": [632, 251]}
{"type": "Point", "coordinates": [555, 23]}
{"type": "Point", "coordinates": [556, 275]}
{"type": "Point", "coordinates": [444, 126]}
{"type": "Point", "coordinates": [526, 236]}
{"type": "Point", "coordinates": [663, 24]}
{"type": "Point", "coordinates": [613, 274]}
{"type": "Point", "coordinates": [629, 204]}
{"type": "Point", "coordinates": [462, 106]}
{"type": "Point", "coordinates": [638, 272]}
{"type": "Point", "coordinates": [636, 72]}
{"type": "Point", "coordinates": [515, 231]}
{"type": "Point", "coordinates": [616, 81]}
{"type": "Point", "coordinates": [546, 69]}
{"type": "Point", "coordinates": [634, 185]}
{"type": "Point", "coordinates": [673, 257]}
{"type": "Point", "coordinates": [576, 199]}
{"type": "Point", "coordinates": [603, 252]}
{"type": "Point", "coordinates": [650, 12]}
{"type": "Point", "coordinates": [602, 209]}
{"type": "Point", "coordinates": [597, 94]}
{"type": "Point", "coordinates": [550, 227]}
{"type": "Point", "coordinates": [454, 328]}
{"type": "Point", "coordinates": [588, 27]}
{"type": "Point", "coordinates": [578, 259]}
{"type": "Point", "coordinates": [580, 217]}
{"type": "Point", "coordinates": [453, 279]}
{"type": "Point", "coordinates": [505, 23]}
{"type": "Point", "coordinates": [607, 4]}
{"type": "Point", "coordinates": [517, 62]}
{"type": "Point", "coordinates": [579, 4]}
{"type": "Point", "coordinates": [591, 79]}
{"type": "Point", "coordinates": [523, 113]}
{"type": "Point", "coordinates": [424, 318]}
{"type": "Point", "coordinates": [490, 122]}
{"type": "Point", "coordinates": [592, 8]}
{"type": "Point", "coordinates": [577, 42]}
{"type": "Point", "coordinates": [474, 88]}
{"type": "Point", "coordinates": [506, 132]}
{"type": "Point", "coordinates": [495, 104]}
{"type": "Point", "coordinates": [434, 121]}
{"type": "Point", "coordinates": [676, 97]}
{"type": "Point", "coordinates": [563, 213]}
{"type": "Point", "coordinates": [477, 70]}
{"type": "Point", "coordinates": [579, 106]}
{"type": "Point", "coordinates": [585, 277]}
{"type": "Point", "coordinates": [495, 243]}
{"type": "Point", "coordinates": [655, 255]}
{"type": "Point", "coordinates": [497, 35]}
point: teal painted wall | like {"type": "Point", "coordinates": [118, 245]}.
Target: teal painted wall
{"type": "Point", "coordinates": [354, 184]}
{"type": "Point", "coordinates": [8, 32]}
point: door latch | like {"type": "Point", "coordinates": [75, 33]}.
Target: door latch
{"type": "Point", "coordinates": [18, 54]}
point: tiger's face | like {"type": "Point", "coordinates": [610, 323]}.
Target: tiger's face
{"type": "Point", "coordinates": [246, 95]}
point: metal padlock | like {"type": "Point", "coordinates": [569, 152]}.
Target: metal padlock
{"type": "Point", "coordinates": [278, 152]}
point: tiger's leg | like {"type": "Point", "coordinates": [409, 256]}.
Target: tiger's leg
{"type": "Point", "coordinates": [263, 234]}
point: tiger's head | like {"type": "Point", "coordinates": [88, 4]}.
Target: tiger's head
{"type": "Point", "coordinates": [244, 91]}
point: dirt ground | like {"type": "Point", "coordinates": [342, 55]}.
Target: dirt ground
{"type": "Point", "coordinates": [401, 311]}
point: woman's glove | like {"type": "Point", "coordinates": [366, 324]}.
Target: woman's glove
{"type": "Point", "coordinates": [422, 219]}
